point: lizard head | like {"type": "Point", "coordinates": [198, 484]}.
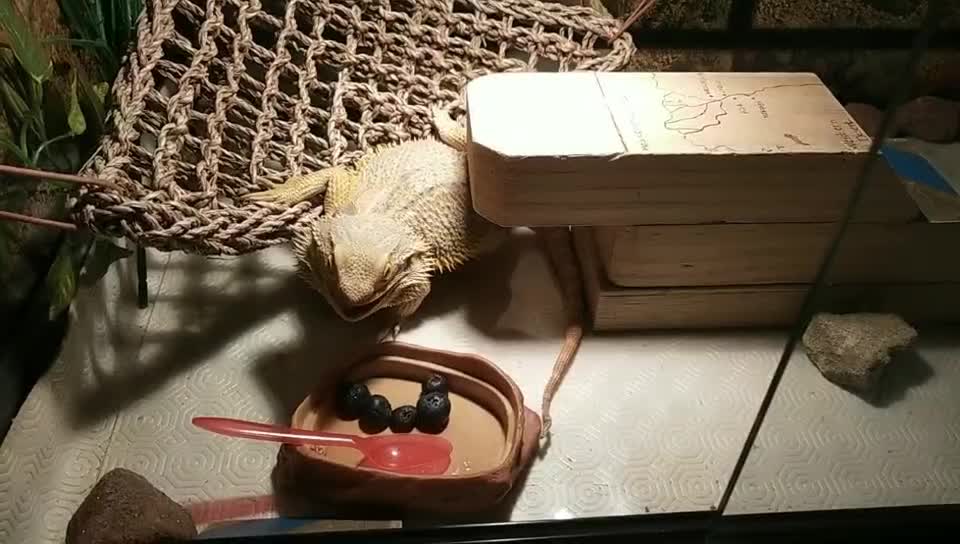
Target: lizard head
{"type": "Point", "coordinates": [361, 263]}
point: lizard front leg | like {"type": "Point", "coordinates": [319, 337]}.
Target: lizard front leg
{"type": "Point", "coordinates": [341, 192]}
{"type": "Point", "coordinates": [300, 188]}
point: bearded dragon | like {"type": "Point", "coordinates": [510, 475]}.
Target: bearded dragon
{"type": "Point", "coordinates": [398, 217]}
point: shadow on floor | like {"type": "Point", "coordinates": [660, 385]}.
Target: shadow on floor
{"type": "Point", "coordinates": [329, 344]}
{"type": "Point", "coordinates": [482, 288]}
{"type": "Point", "coordinates": [202, 305]}
{"type": "Point", "coordinates": [907, 370]}
{"type": "Point", "coordinates": [206, 304]}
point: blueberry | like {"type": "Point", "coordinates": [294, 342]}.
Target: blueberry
{"type": "Point", "coordinates": [352, 400]}
{"type": "Point", "coordinates": [437, 383]}
{"type": "Point", "coordinates": [433, 412]}
{"type": "Point", "coordinates": [376, 417]}
{"type": "Point", "coordinates": [404, 419]}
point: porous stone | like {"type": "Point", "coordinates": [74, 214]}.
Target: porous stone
{"type": "Point", "coordinates": [852, 350]}
{"type": "Point", "coordinates": [124, 508]}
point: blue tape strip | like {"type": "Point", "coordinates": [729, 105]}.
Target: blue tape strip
{"type": "Point", "coordinates": [916, 168]}
{"type": "Point", "coordinates": [259, 527]}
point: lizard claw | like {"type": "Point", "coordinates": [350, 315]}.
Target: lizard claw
{"type": "Point", "coordinates": [395, 331]}
{"type": "Point", "coordinates": [391, 334]}
{"type": "Point", "coordinates": [270, 195]}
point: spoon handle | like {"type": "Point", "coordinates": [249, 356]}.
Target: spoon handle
{"type": "Point", "coordinates": [273, 433]}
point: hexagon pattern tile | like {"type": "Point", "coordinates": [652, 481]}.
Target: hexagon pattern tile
{"type": "Point", "coordinates": [822, 447]}
{"type": "Point", "coordinates": [642, 423]}
{"type": "Point", "coordinates": [53, 453]}
{"type": "Point", "coordinates": [245, 338]}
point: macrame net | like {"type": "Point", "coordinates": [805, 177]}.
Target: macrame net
{"type": "Point", "coordinates": [220, 98]}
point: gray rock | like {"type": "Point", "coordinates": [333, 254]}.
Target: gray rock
{"type": "Point", "coordinates": [852, 350]}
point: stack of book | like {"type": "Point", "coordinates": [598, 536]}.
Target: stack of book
{"type": "Point", "coordinates": [703, 200]}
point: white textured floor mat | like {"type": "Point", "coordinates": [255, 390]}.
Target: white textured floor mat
{"type": "Point", "coordinates": [51, 456]}
{"type": "Point", "coordinates": [822, 447]}
{"type": "Point", "coordinates": [642, 423]}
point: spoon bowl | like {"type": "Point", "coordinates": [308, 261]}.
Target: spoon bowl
{"type": "Point", "coordinates": [410, 453]}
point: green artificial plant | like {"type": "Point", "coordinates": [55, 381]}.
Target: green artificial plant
{"type": "Point", "coordinates": [51, 118]}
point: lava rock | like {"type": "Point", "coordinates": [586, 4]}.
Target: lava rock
{"type": "Point", "coordinates": [404, 419]}
{"type": "Point", "coordinates": [124, 508]}
{"type": "Point", "coordinates": [929, 118]}
{"type": "Point", "coordinates": [867, 116]}
{"type": "Point", "coordinates": [377, 416]}
{"type": "Point", "coordinates": [852, 350]}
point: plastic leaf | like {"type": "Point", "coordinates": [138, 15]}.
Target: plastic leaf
{"type": "Point", "coordinates": [13, 99]}
{"type": "Point", "coordinates": [81, 18]}
{"type": "Point", "coordinates": [103, 254]}
{"type": "Point", "coordinates": [14, 106]}
{"type": "Point", "coordinates": [101, 89]}
{"type": "Point", "coordinates": [61, 284]}
{"type": "Point", "coordinates": [25, 45]}
{"type": "Point", "coordinates": [91, 102]}
{"type": "Point", "coordinates": [10, 147]}
{"type": "Point", "coordinates": [75, 119]}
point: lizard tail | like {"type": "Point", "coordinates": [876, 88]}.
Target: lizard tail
{"type": "Point", "coordinates": [558, 243]}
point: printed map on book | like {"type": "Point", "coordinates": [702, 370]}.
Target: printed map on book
{"type": "Point", "coordinates": [728, 113]}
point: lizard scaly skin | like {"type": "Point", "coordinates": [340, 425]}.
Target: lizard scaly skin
{"type": "Point", "coordinates": [401, 215]}
{"type": "Point", "coordinates": [398, 217]}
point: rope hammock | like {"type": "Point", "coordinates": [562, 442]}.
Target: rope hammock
{"type": "Point", "coordinates": [220, 98]}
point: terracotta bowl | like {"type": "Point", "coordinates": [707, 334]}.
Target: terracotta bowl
{"type": "Point", "coordinates": [494, 435]}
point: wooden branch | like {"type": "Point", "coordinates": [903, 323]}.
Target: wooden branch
{"type": "Point", "coordinates": [642, 7]}
{"type": "Point", "coordinates": [40, 174]}
{"type": "Point", "coordinates": [10, 216]}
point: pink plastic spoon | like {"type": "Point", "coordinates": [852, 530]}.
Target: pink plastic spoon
{"type": "Point", "coordinates": [406, 453]}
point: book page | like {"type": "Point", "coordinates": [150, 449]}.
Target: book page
{"type": "Point", "coordinates": [541, 114]}
{"type": "Point", "coordinates": [728, 113]}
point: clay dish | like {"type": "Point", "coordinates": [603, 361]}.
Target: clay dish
{"type": "Point", "coordinates": [494, 436]}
